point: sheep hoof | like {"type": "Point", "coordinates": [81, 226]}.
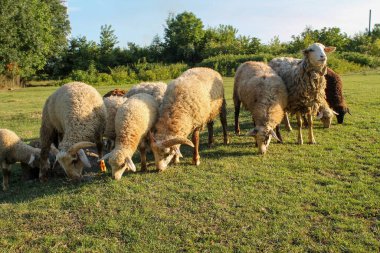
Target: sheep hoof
{"type": "Point", "coordinates": [312, 142]}
{"type": "Point", "coordinates": [197, 162]}
{"type": "Point", "coordinates": [300, 142]}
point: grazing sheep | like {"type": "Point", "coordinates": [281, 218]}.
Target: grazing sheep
{"type": "Point", "coordinates": [264, 94]}
{"type": "Point", "coordinates": [191, 101]}
{"type": "Point", "coordinates": [305, 82]}
{"type": "Point", "coordinates": [12, 150]}
{"type": "Point", "coordinates": [112, 104]}
{"type": "Point", "coordinates": [115, 92]}
{"type": "Point", "coordinates": [76, 114]}
{"type": "Point", "coordinates": [156, 89]}
{"type": "Point", "coordinates": [334, 95]}
{"type": "Point", "coordinates": [134, 119]}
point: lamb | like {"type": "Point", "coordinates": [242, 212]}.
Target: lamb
{"type": "Point", "coordinates": [156, 89]}
{"type": "Point", "coordinates": [305, 82]}
{"type": "Point", "coordinates": [12, 150]}
{"type": "Point", "coordinates": [75, 114]}
{"type": "Point", "coordinates": [134, 119]}
{"type": "Point", "coordinates": [192, 100]}
{"type": "Point", "coordinates": [334, 95]}
{"type": "Point", "coordinates": [264, 94]}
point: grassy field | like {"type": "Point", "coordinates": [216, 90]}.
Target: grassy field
{"type": "Point", "coordinates": [310, 198]}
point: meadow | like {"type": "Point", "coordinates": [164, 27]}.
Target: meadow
{"type": "Point", "coordinates": [309, 198]}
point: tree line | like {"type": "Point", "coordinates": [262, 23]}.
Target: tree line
{"type": "Point", "coordinates": [34, 42]}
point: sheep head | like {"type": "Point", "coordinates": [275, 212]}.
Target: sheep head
{"type": "Point", "coordinates": [326, 115]}
{"type": "Point", "coordinates": [164, 151]}
{"type": "Point", "coordinates": [263, 136]}
{"type": "Point", "coordinates": [74, 159]}
{"type": "Point", "coordinates": [316, 53]}
{"type": "Point", "coordinates": [119, 163]}
{"type": "Point", "coordinates": [341, 112]}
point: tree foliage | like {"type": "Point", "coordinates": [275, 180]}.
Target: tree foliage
{"type": "Point", "coordinates": [31, 32]}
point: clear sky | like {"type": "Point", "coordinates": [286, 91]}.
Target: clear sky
{"type": "Point", "coordinates": [139, 21]}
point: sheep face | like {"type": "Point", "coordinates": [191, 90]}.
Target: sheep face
{"type": "Point", "coordinates": [317, 54]}
{"type": "Point", "coordinates": [263, 136]}
{"type": "Point", "coordinates": [164, 151]}
{"type": "Point", "coordinates": [120, 163]}
{"type": "Point", "coordinates": [326, 115]}
{"type": "Point", "coordinates": [74, 159]}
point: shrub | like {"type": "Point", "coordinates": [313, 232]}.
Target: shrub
{"type": "Point", "coordinates": [123, 74]}
{"type": "Point", "coordinates": [362, 59]}
{"type": "Point", "coordinates": [226, 65]}
{"type": "Point", "coordinates": [342, 66]}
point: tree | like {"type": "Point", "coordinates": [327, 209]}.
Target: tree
{"type": "Point", "coordinates": [183, 37]}
{"type": "Point", "coordinates": [31, 32]}
{"type": "Point", "coordinates": [108, 40]}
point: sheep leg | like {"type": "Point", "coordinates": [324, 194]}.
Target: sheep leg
{"type": "Point", "coordinates": [299, 125]}
{"type": "Point", "coordinates": [143, 158]}
{"type": "Point", "coordinates": [287, 122]}
{"type": "Point", "coordinates": [305, 121]}
{"type": "Point", "coordinates": [195, 139]}
{"type": "Point", "coordinates": [6, 173]}
{"type": "Point", "coordinates": [47, 136]}
{"type": "Point", "coordinates": [237, 104]}
{"type": "Point", "coordinates": [210, 128]}
{"type": "Point", "coordinates": [223, 120]}
{"type": "Point", "coordinates": [311, 135]}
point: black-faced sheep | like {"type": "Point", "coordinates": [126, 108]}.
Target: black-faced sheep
{"type": "Point", "coordinates": [264, 94]}
{"type": "Point", "coordinates": [191, 101]}
{"type": "Point", "coordinates": [134, 119]}
{"type": "Point", "coordinates": [305, 82]}
{"type": "Point", "coordinates": [12, 150]}
{"type": "Point", "coordinates": [75, 113]}
{"type": "Point", "coordinates": [334, 95]}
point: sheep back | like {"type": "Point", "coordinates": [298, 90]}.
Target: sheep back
{"type": "Point", "coordinates": [77, 111]}
{"type": "Point", "coordinates": [134, 119]}
{"type": "Point", "coordinates": [112, 103]}
{"type": "Point", "coordinates": [262, 92]}
{"type": "Point", "coordinates": [155, 89]}
{"type": "Point", "coordinates": [190, 101]}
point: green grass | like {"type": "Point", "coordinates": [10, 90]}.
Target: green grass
{"type": "Point", "coordinates": [310, 198]}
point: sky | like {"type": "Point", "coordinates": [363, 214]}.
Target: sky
{"type": "Point", "coordinates": [138, 21]}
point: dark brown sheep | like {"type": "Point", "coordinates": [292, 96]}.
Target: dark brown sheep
{"type": "Point", "coordinates": [334, 95]}
{"type": "Point", "coordinates": [115, 92]}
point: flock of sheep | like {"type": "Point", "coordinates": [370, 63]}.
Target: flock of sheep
{"type": "Point", "coordinates": [160, 117]}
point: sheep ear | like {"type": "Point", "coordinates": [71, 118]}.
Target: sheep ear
{"type": "Point", "coordinates": [334, 112]}
{"type": "Point", "coordinates": [32, 158]}
{"type": "Point", "coordinates": [77, 146]}
{"type": "Point", "coordinates": [130, 164]}
{"type": "Point", "coordinates": [329, 49]}
{"type": "Point", "coordinates": [274, 135]}
{"type": "Point", "coordinates": [253, 132]}
{"type": "Point", "coordinates": [105, 157]}
{"type": "Point", "coordinates": [348, 111]}
{"type": "Point", "coordinates": [306, 51]}
{"type": "Point", "coordinates": [82, 156]}
{"type": "Point", "coordinates": [320, 115]}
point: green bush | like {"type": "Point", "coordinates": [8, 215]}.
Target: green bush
{"type": "Point", "coordinates": [362, 59]}
{"type": "Point", "coordinates": [158, 71]}
{"type": "Point", "coordinates": [123, 74]}
{"type": "Point", "coordinates": [342, 66]}
{"type": "Point", "coordinates": [226, 65]}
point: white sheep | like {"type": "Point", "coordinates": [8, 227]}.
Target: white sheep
{"type": "Point", "coordinates": [264, 94]}
{"type": "Point", "coordinates": [134, 119]}
{"type": "Point", "coordinates": [155, 89]}
{"type": "Point", "coordinates": [305, 82]}
{"type": "Point", "coordinates": [191, 101]}
{"type": "Point", "coordinates": [76, 114]}
{"type": "Point", "coordinates": [12, 150]}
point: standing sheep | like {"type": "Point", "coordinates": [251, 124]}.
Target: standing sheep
{"type": "Point", "coordinates": [264, 94]}
{"type": "Point", "coordinates": [334, 95]}
{"type": "Point", "coordinates": [192, 100]}
{"type": "Point", "coordinates": [134, 119]}
{"type": "Point", "coordinates": [305, 82]}
{"type": "Point", "coordinates": [77, 114]}
{"type": "Point", "coordinates": [12, 150]}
